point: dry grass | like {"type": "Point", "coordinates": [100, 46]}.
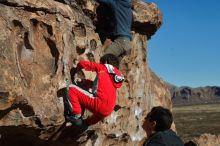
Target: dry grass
{"type": "Point", "coordinates": [194, 120]}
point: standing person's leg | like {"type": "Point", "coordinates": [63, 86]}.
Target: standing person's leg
{"type": "Point", "coordinates": [119, 47]}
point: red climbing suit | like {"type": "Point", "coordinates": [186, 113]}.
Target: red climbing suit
{"type": "Point", "coordinates": [103, 103]}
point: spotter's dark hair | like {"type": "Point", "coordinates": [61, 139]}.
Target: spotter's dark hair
{"type": "Point", "coordinates": [162, 116]}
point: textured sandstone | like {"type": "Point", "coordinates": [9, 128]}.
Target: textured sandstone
{"type": "Point", "coordinates": [40, 41]}
{"type": "Point", "coordinates": [207, 140]}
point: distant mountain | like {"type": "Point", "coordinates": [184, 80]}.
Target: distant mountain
{"type": "Point", "coordinates": [187, 95]}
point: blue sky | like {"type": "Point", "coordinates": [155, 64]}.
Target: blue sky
{"type": "Point", "coordinates": [185, 51]}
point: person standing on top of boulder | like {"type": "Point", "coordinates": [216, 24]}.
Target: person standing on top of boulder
{"type": "Point", "coordinates": [118, 16]}
{"type": "Point", "coordinates": [102, 100]}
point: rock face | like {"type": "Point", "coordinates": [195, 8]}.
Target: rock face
{"type": "Point", "coordinates": [188, 95]}
{"type": "Point", "coordinates": [40, 41]}
{"type": "Point", "coordinates": [207, 140]}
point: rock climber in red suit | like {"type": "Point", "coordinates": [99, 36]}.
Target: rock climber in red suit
{"type": "Point", "coordinates": [103, 100]}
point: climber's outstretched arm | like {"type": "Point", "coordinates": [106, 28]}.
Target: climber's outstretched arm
{"type": "Point", "coordinates": [88, 66]}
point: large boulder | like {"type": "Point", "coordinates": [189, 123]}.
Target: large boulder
{"type": "Point", "coordinates": [40, 41]}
